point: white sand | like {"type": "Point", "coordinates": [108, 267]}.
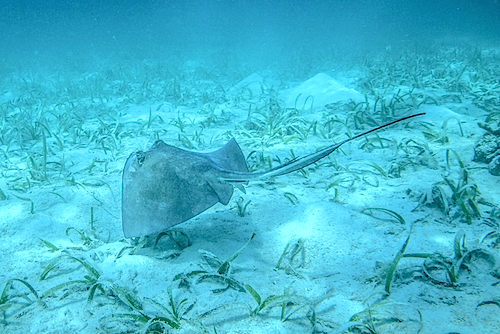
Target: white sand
{"type": "Point", "coordinates": [346, 256]}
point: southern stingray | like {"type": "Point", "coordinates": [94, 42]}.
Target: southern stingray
{"type": "Point", "coordinates": [166, 185]}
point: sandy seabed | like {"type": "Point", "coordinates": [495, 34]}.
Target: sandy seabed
{"type": "Point", "coordinates": [394, 233]}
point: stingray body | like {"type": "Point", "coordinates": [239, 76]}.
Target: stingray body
{"type": "Point", "coordinates": [166, 185]}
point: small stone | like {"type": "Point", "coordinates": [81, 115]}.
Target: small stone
{"type": "Point", "coordinates": [494, 165]}
{"type": "Point", "coordinates": [486, 146]}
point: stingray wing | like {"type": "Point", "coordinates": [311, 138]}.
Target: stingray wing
{"type": "Point", "coordinates": [166, 186]}
{"type": "Point", "coordinates": [229, 157]}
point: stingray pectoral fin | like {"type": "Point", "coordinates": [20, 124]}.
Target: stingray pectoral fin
{"type": "Point", "coordinates": [229, 157]}
{"type": "Point", "coordinates": [224, 191]}
{"type": "Point", "coordinates": [152, 211]}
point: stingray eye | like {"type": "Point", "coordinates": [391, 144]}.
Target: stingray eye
{"type": "Point", "coordinates": [140, 156]}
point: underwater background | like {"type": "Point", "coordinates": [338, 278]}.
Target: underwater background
{"type": "Point", "coordinates": [396, 232]}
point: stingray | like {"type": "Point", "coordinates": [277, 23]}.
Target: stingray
{"type": "Point", "coordinates": [167, 185]}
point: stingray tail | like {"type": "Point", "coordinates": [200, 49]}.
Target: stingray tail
{"type": "Point", "coordinates": [301, 162]}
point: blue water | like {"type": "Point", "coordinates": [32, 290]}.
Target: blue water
{"type": "Point", "coordinates": [51, 32]}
